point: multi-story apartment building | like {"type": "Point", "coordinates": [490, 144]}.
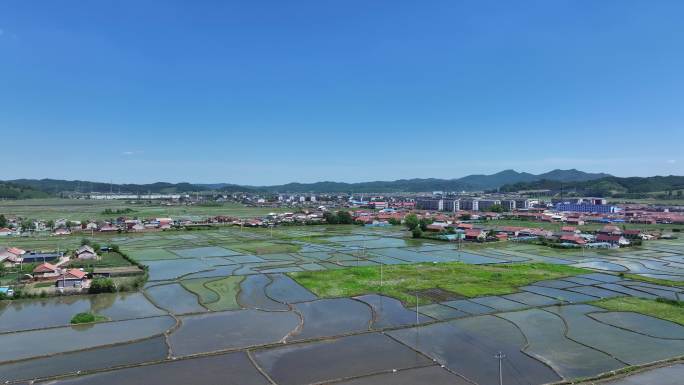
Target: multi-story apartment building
{"type": "Point", "coordinates": [485, 204]}
{"type": "Point", "coordinates": [432, 204]}
{"type": "Point", "coordinates": [586, 208]}
{"type": "Point", "coordinates": [470, 204]}
{"type": "Point", "coordinates": [508, 204]}
{"type": "Point", "coordinates": [451, 205]}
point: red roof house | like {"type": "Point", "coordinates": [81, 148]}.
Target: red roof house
{"type": "Point", "coordinates": [45, 270]}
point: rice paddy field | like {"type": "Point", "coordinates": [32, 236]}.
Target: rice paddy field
{"type": "Point", "coordinates": [353, 305]}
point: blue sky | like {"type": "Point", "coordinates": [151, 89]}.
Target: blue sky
{"type": "Point", "coordinates": [266, 92]}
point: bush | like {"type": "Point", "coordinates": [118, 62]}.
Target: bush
{"type": "Point", "coordinates": [83, 318]}
{"type": "Point", "coordinates": [344, 218]}
{"type": "Point", "coordinates": [102, 285]}
{"type": "Point", "coordinates": [417, 232]}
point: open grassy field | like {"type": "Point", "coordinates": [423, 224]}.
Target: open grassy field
{"type": "Point", "coordinates": [110, 259]}
{"type": "Point", "coordinates": [227, 289]}
{"type": "Point", "coordinates": [666, 310]}
{"type": "Point", "coordinates": [400, 281]}
{"type": "Point", "coordinates": [215, 294]}
{"type": "Point", "coordinates": [83, 209]}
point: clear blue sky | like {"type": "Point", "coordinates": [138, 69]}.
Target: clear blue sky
{"type": "Point", "coordinates": [265, 92]}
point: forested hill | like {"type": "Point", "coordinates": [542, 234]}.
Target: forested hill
{"type": "Point", "coordinates": [467, 183]}
{"type": "Point", "coordinates": [606, 187]}
{"type": "Point", "coordinates": [14, 191]}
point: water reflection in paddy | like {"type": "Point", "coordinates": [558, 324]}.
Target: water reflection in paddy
{"type": "Point", "coordinates": [228, 369]}
{"type": "Point", "coordinates": [149, 350]}
{"type": "Point", "coordinates": [58, 311]}
{"type": "Point", "coordinates": [175, 299]}
{"type": "Point", "coordinates": [229, 330]}
{"type": "Point", "coordinates": [335, 359]}
{"type": "Point", "coordinates": [20, 345]}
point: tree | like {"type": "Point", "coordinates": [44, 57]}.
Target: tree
{"type": "Point", "coordinates": [28, 224]}
{"type": "Point", "coordinates": [330, 218]}
{"type": "Point", "coordinates": [417, 232]}
{"type": "Point", "coordinates": [394, 221]}
{"type": "Point", "coordinates": [679, 193]}
{"type": "Point", "coordinates": [496, 209]}
{"type": "Point", "coordinates": [102, 285]}
{"type": "Point", "coordinates": [464, 217]}
{"type": "Point", "coordinates": [344, 218]}
{"type": "Point", "coordinates": [424, 222]}
{"type": "Point", "coordinates": [3, 221]}
{"type": "Point", "coordinates": [50, 224]}
{"type": "Point", "coordinates": [411, 221]}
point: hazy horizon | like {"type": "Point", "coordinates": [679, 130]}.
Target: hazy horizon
{"type": "Point", "coordinates": [294, 181]}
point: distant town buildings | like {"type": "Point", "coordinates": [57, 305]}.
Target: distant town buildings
{"type": "Point", "coordinates": [586, 208]}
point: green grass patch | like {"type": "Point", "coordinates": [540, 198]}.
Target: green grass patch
{"type": "Point", "coordinates": [87, 318]}
{"type": "Point", "coordinates": [657, 281]}
{"type": "Point", "coordinates": [198, 287]}
{"type": "Point", "coordinates": [399, 281]}
{"type": "Point", "coordinates": [215, 294]}
{"type": "Point", "coordinates": [110, 259]}
{"type": "Point", "coordinates": [40, 285]}
{"type": "Point", "coordinates": [227, 289]}
{"type": "Point", "coordinates": [664, 309]}
{"type": "Point", "coordinates": [267, 248]}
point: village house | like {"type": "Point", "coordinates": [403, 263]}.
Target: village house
{"type": "Point", "coordinates": [475, 235]}
{"type": "Point", "coordinates": [610, 230]}
{"type": "Point", "coordinates": [46, 271]}
{"type": "Point", "coordinates": [137, 227]}
{"type": "Point", "coordinates": [37, 256]}
{"type": "Point", "coordinates": [85, 252]}
{"type": "Point", "coordinates": [61, 231]}
{"type": "Point", "coordinates": [464, 226]}
{"type": "Point", "coordinates": [436, 226]}
{"type": "Point", "coordinates": [108, 228]}
{"type": "Point", "coordinates": [573, 239]}
{"type": "Point", "coordinates": [71, 278]}
{"type": "Point", "coordinates": [632, 234]}
{"type": "Point", "coordinates": [511, 230]}
{"type": "Point", "coordinates": [4, 232]}
{"type": "Point", "coordinates": [617, 240]}
{"type": "Point", "coordinates": [11, 256]}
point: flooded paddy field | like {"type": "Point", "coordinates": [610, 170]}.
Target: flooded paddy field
{"type": "Point", "coordinates": [220, 307]}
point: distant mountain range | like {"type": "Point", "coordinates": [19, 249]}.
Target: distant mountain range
{"type": "Point", "coordinates": [467, 183]}
{"type": "Point", "coordinates": [611, 186]}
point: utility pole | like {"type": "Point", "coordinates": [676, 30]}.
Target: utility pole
{"type": "Point", "coordinates": [500, 356]}
{"type": "Point", "coordinates": [381, 277]}
{"type": "Point", "coordinates": [417, 308]}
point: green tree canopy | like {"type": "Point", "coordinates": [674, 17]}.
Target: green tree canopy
{"type": "Point", "coordinates": [411, 221]}
{"type": "Point", "coordinates": [344, 218]}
